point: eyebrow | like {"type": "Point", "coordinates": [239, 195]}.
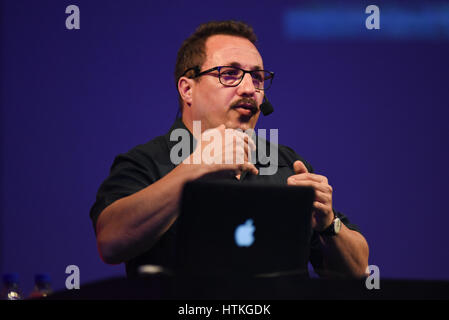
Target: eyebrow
{"type": "Point", "coordinates": [236, 64]}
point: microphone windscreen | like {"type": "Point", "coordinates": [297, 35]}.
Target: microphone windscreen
{"type": "Point", "coordinates": [266, 108]}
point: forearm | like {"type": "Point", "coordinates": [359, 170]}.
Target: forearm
{"type": "Point", "coordinates": [345, 254]}
{"type": "Point", "coordinates": [131, 225]}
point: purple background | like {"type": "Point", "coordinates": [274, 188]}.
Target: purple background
{"type": "Point", "coordinates": [369, 114]}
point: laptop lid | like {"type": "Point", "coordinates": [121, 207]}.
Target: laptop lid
{"type": "Point", "coordinates": [231, 228]}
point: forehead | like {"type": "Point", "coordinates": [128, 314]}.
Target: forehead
{"type": "Point", "coordinates": [227, 50]}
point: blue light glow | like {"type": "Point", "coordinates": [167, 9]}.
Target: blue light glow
{"type": "Point", "coordinates": [428, 21]}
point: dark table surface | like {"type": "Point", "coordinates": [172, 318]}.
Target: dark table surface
{"type": "Point", "coordinates": [284, 288]}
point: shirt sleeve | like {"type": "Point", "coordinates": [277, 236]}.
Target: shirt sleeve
{"type": "Point", "coordinates": [316, 254]}
{"type": "Point", "coordinates": [129, 173]}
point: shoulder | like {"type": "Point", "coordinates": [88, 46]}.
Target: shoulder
{"type": "Point", "coordinates": [291, 156]}
{"type": "Point", "coordinates": [145, 154]}
{"type": "Point", "coordinates": [153, 148]}
{"type": "Point", "coordinates": [287, 156]}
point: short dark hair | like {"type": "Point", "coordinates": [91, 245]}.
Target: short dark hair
{"type": "Point", "coordinates": [192, 52]}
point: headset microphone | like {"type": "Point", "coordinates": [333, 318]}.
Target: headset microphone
{"type": "Point", "coordinates": [266, 106]}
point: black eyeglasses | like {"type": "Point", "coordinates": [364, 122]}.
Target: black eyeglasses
{"type": "Point", "coordinates": [231, 76]}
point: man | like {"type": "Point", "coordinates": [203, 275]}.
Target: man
{"type": "Point", "coordinates": [220, 80]}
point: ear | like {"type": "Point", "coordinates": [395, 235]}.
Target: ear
{"type": "Point", "coordinates": [185, 89]}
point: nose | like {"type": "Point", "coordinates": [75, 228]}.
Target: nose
{"type": "Point", "coordinates": [246, 87]}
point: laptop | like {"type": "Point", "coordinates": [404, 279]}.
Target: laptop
{"type": "Point", "coordinates": [243, 229]}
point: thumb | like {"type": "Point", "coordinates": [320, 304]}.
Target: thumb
{"type": "Point", "coordinates": [299, 167]}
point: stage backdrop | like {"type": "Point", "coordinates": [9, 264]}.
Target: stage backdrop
{"type": "Point", "coordinates": [367, 108]}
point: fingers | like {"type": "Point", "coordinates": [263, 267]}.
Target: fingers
{"type": "Point", "coordinates": [236, 152]}
{"type": "Point", "coordinates": [246, 138]}
{"type": "Point", "coordinates": [238, 147]}
{"type": "Point", "coordinates": [323, 191]}
{"type": "Point", "coordinates": [308, 179]}
{"type": "Point", "coordinates": [240, 168]}
{"type": "Point", "coordinates": [318, 187]}
{"type": "Point", "coordinates": [320, 207]}
{"type": "Point", "coordinates": [233, 153]}
{"type": "Point", "coordinates": [299, 167]}
{"type": "Point", "coordinates": [323, 197]}
{"type": "Point", "coordinates": [248, 166]}
{"type": "Point", "coordinates": [243, 149]}
{"type": "Point", "coordinates": [228, 133]}
{"type": "Point", "coordinates": [315, 185]}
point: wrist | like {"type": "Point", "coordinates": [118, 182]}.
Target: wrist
{"type": "Point", "coordinates": [333, 229]}
{"type": "Point", "coordinates": [193, 171]}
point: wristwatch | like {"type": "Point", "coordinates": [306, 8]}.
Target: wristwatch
{"type": "Point", "coordinates": [333, 229]}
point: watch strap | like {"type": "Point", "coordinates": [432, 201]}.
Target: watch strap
{"type": "Point", "coordinates": [330, 231]}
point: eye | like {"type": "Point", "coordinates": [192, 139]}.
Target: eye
{"type": "Point", "coordinates": [258, 76]}
{"type": "Point", "coordinates": [230, 72]}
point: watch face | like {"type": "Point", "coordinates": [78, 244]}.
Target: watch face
{"type": "Point", "coordinates": [337, 225]}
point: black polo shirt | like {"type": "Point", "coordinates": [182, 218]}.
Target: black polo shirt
{"type": "Point", "coordinates": [149, 162]}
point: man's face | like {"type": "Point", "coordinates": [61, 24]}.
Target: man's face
{"type": "Point", "coordinates": [215, 104]}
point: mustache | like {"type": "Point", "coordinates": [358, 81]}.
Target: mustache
{"type": "Point", "coordinates": [249, 101]}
